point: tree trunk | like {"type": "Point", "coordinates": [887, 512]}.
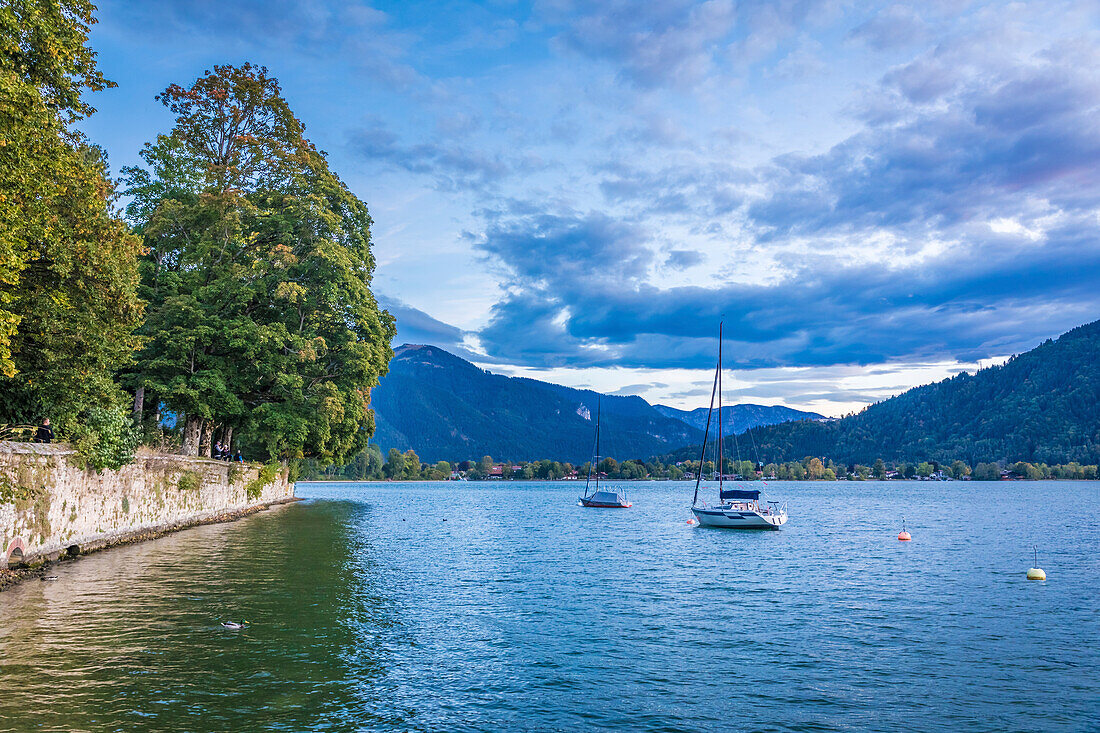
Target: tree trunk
{"type": "Point", "coordinates": [139, 402]}
{"type": "Point", "coordinates": [227, 443]}
{"type": "Point", "coordinates": [192, 430]}
{"type": "Point", "coordinates": [206, 443]}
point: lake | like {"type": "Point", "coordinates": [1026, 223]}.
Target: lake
{"type": "Point", "coordinates": [504, 606]}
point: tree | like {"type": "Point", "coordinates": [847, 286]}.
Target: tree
{"type": "Point", "coordinates": [257, 276]}
{"type": "Point", "coordinates": [608, 466]}
{"type": "Point", "coordinates": [412, 464]}
{"type": "Point", "coordinates": [394, 467]}
{"type": "Point", "coordinates": [959, 469]}
{"type": "Point", "coordinates": [879, 469]}
{"type": "Point", "coordinates": [815, 470]}
{"type": "Point", "coordinates": [987, 472]}
{"type": "Point", "coordinates": [924, 469]}
{"type": "Point", "coordinates": [68, 276]}
{"type": "Point", "coordinates": [484, 466]}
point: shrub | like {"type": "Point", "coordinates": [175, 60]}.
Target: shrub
{"type": "Point", "coordinates": [189, 481]}
{"type": "Point", "coordinates": [266, 476]}
{"type": "Point", "coordinates": [102, 437]}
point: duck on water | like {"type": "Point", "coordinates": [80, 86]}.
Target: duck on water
{"type": "Point", "coordinates": [737, 508]}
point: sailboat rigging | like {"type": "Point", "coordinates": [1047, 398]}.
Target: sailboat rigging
{"type": "Point", "coordinates": [737, 508]}
{"type": "Point", "coordinates": [601, 498]}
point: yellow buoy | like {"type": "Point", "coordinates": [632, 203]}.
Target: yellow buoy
{"type": "Point", "coordinates": [1036, 573]}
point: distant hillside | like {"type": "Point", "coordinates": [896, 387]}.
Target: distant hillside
{"type": "Point", "coordinates": [739, 418]}
{"type": "Point", "coordinates": [1041, 406]}
{"type": "Point", "coordinates": [445, 408]}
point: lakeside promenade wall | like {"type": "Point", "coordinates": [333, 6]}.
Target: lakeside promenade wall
{"type": "Point", "coordinates": [50, 506]}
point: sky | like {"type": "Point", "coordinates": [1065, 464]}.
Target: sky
{"type": "Point", "coordinates": [869, 196]}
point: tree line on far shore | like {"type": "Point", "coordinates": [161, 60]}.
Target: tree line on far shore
{"type": "Point", "coordinates": [371, 465]}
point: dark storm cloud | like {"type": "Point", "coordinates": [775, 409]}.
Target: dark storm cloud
{"type": "Point", "coordinates": [971, 307]}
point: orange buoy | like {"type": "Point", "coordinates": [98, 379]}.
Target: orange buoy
{"type": "Point", "coordinates": [904, 536]}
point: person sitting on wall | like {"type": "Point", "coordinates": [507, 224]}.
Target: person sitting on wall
{"type": "Point", "coordinates": [218, 454]}
{"type": "Point", "coordinates": [44, 434]}
{"type": "Point", "coordinates": [238, 458]}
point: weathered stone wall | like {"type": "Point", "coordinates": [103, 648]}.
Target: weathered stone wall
{"type": "Point", "coordinates": [50, 505]}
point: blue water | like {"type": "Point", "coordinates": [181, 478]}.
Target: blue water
{"type": "Point", "coordinates": [504, 606]}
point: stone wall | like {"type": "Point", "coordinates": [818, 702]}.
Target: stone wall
{"type": "Point", "coordinates": [49, 505]}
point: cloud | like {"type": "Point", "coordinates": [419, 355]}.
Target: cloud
{"type": "Point", "coordinates": [652, 44]}
{"type": "Point", "coordinates": [545, 248]}
{"type": "Point", "coordinates": [633, 389]}
{"type": "Point", "coordinates": [682, 259]}
{"type": "Point", "coordinates": [968, 306]}
{"type": "Point", "coordinates": [453, 167]}
{"type": "Point", "coordinates": [897, 26]}
{"type": "Point", "coordinates": [414, 326]}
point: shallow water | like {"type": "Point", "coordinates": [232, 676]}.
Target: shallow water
{"type": "Point", "coordinates": [504, 606]}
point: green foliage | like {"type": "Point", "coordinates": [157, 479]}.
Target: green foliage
{"type": "Point", "coordinates": [448, 409]}
{"type": "Point", "coordinates": [1040, 407]}
{"type": "Point", "coordinates": [234, 472]}
{"type": "Point", "coordinates": [266, 476]}
{"type": "Point", "coordinates": [258, 275]}
{"type": "Point", "coordinates": [68, 275]}
{"type": "Point", "coordinates": [102, 437]}
{"type": "Point", "coordinates": [18, 494]}
{"type": "Point", "coordinates": [189, 481]}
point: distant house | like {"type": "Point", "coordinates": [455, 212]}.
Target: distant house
{"type": "Point", "coordinates": [496, 472]}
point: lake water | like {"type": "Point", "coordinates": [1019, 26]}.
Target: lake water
{"type": "Point", "coordinates": [495, 606]}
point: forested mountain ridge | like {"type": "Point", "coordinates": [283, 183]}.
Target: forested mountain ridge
{"type": "Point", "coordinates": [445, 408]}
{"type": "Point", "coordinates": [739, 418]}
{"type": "Point", "coordinates": [1041, 407]}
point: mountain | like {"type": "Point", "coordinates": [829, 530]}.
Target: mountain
{"type": "Point", "coordinates": [739, 418]}
{"type": "Point", "coordinates": [1041, 406]}
{"type": "Point", "coordinates": [445, 408]}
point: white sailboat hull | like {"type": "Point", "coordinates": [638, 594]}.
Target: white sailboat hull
{"type": "Point", "coordinates": [736, 518]}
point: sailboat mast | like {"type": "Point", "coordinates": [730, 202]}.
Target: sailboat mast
{"type": "Point", "coordinates": [721, 468]}
{"type": "Point", "coordinates": [599, 407]}
{"type": "Point", "coordinates": [710, 412]}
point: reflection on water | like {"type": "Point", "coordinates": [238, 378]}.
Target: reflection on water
{"type": "Point", "coordinates": [489, 607]}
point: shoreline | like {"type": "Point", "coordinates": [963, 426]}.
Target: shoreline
{"type": "Point", "coordinates": [39, 566]}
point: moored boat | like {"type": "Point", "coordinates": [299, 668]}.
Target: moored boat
{"type": "Point", "coordinates": [737, 508]}
{"type": "Point", "coordinates": [601, 498]}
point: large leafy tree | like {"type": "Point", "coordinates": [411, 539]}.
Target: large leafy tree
{"type": "Point", "coordinates": [261, 318]}
{"type": "Point", "coordinates": [68, 266]}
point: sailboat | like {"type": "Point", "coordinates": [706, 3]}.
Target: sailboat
{"type": "Point", "coordinates": [601, 498]}
{"type": "Point", "coordinates": [737, 508]}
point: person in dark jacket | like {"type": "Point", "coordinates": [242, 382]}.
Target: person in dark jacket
{"type": "Point", "coordinates": [44, 434]}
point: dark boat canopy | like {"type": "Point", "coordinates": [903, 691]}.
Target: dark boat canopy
{"type": "Point", "coordinates": [739, 494]}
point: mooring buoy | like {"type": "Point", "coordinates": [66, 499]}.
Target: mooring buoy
{"type": "Point", "coordinates": [1036, 573]}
